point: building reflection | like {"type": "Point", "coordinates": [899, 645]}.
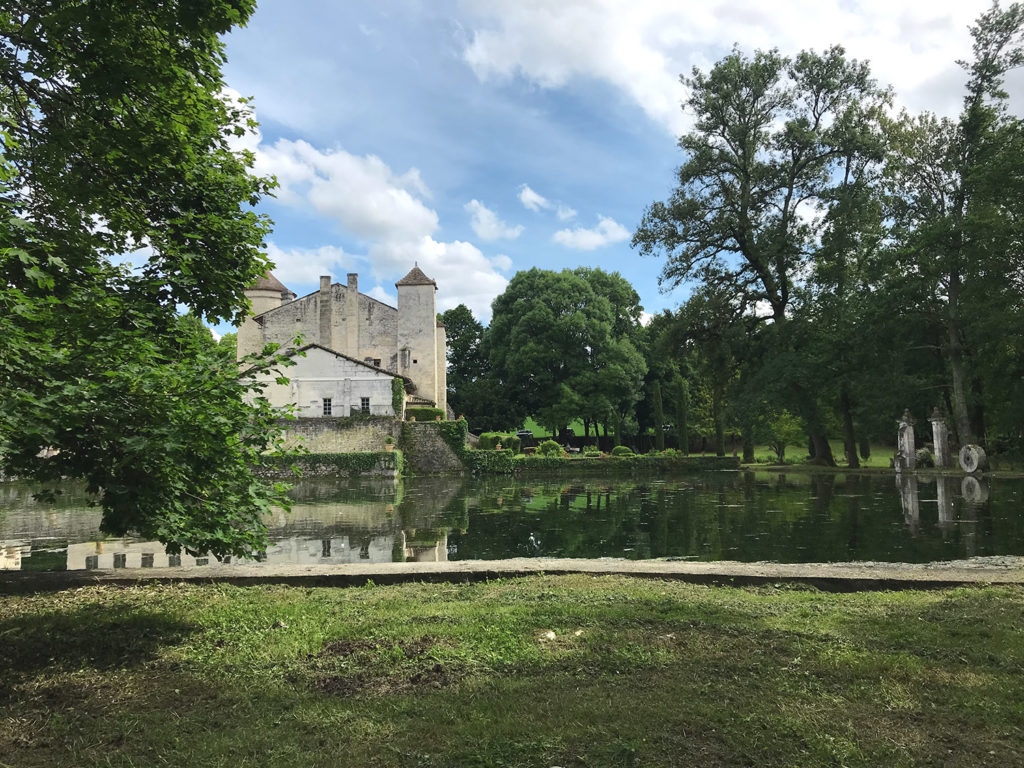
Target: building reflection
{"type": "Point", "coordinates": [382, 526]}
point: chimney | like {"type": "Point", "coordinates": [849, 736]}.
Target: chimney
{"type": "Point", "coordinates": [325, 312]}
{"type": "Point", "coordinates": [353, 281]}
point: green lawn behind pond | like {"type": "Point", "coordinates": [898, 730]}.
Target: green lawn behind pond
{"type": "Point", "coordinates": [567, 670]}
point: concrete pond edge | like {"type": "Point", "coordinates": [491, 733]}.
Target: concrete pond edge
{"type": "Point", "coordinates": [829, 577]}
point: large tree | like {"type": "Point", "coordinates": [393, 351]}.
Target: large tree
{"type": "Point", "coordinates": [955, 189]}
{"type": "Point", "coordinates": [554, 350]}
{"type": "Point", "coordinates": [772, 139]}
{"type": "Point", "coordinates": [115, 139]}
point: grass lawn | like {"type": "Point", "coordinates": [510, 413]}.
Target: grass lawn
{"type": "Point", "coordinates": [568, 670]}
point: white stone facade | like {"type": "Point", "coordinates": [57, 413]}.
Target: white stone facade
{"type": "Point", "coordinates": [375, 342]}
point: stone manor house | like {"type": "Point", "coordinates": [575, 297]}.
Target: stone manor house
{"type": "Point", "coordinates": [354, 345]}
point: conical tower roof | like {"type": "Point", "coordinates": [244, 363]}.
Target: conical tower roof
{"type": "Point", "coordinates": [416, 277]}
{"type": "Point", "coordinates": [268, 283]}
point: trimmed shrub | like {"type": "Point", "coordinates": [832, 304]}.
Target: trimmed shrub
{"type": "Point", "coordinates": [424, 414]}
{"type": "Point", "coordinates": [924, 457]}
{"type": "Point", "coordinates": [491, 440]}
{"type": "Point", "coordinates": [622, 450]}
{"type": "Point", "coordinates": [549, 448]}
{"type": "Point", "coordinates": [591, 450]}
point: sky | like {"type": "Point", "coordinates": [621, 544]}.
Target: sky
{"type": "Point", "coordinates": [478, 138]}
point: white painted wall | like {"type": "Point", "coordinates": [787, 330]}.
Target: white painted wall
{"type": "Point", "coordinates": [323, 374]}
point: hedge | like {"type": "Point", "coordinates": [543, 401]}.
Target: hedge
{"type": "Point", "coordinates": [397, 396]}
{"type": "Point", "coordinates": [491, 440]}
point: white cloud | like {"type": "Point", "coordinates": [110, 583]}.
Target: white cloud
{"type": "Point", "coordinates": [464, 275]}
{"type": "Point", "coordinates": [386, 209]}
{"type": "Point", "coordinates": [606, 232]}
{"type": "Point", "coordinates": [532, 200]}
{"type": "Point", "coordinates": [305, 265]}
{"type": "Point", "coordinates": [565, 213]}
{"type": "Point", "coordinates": [488, 226]}
{"type": "Point", "coordinates": [642, 47]}
{"type": "Point", "coordinates": [359, 192]}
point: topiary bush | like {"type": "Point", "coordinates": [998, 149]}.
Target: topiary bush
{"type": "Point", "coordinates": [622, 450]}
{"type": "Point", "coordinates": [491, 440]}
{"type": "Point", "coordinates": [592, 450]}
{"type": "Point", "coordinates": [549, 448]}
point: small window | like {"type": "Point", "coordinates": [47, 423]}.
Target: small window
{"type": "Point", "coordinates": [376, 362]}
{"type": "Point", "coordinates": [92, 562]}
{"type": "Point", "coordinates": [120, 560]}
{"type": "Point", "coordinates": [327, 406]}
{"type": "Point", "coordinates": [325, 548]}
{"type": "Point", "coordinates": [202, 561]}
{"type": "Point", "coordinates": [173, 561]}
{"type": "Point", "coordinates": [364, 404]}
{"type": "Point", "coordinates": [147, 559]}
{"type": "Point", "coordinates": [415, 361]}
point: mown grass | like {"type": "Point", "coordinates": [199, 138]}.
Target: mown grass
{"type": "Point", "coordinates": [568, 670]}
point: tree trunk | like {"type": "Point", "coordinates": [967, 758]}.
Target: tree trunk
{"type": "Point", "coordinates": [748, 446]}
{"type": "Point", "coordinates": [659, 416]}
{"type": "Point", "coordinates": [822, 450]}
{"type": "Point", "coordinates": [849, 437]}
{"type": "Point", "coordinates": [865, 448]}
{"type": "Point", "coordinates": [958, 365]}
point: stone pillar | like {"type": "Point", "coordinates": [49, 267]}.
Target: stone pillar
{"type": "Point", "coordinates": [940, 437]}
{"type": "Point", "coordinates": [906, 458]}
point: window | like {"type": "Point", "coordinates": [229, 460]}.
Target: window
{"type": "Point", "coordinates": [174, 561]}
{"type": "Point", "coordinates": [327, 406]}
{"type": "Point", "coordinates": [147, 559]}
{"type": "Point", "coordinates": [120, 560]}
{"type": "Point", "coordinates": [364, 404]}
{"type": "Point", "coordinates": [414, 362]}
{"type": "Point", "coordinates": [376, 362]}
{"type": "Point", "coordinates": [92, 562]}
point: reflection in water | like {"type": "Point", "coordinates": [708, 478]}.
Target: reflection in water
{"type": "Point", "coordinates": [710, 516]}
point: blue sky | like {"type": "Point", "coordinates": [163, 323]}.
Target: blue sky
{"type": "Point", "coordinates": [481, 137]}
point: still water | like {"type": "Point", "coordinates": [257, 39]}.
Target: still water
{"type": "Point", "coordinates": [747, 516]}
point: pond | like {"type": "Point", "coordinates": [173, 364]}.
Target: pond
{"type": "Point", "coordinates": [746, 516]}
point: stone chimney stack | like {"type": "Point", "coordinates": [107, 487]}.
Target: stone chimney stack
{"type": "Point", "coordinates": [325, 312]}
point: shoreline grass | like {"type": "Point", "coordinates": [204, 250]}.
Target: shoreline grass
{"type": "Point", "coordinates": [546, 670]}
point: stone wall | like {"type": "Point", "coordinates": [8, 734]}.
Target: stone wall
{"type": "Point", "coordinates": [426, 452]}
{"type": "Point", "coordinates": [341, 435]}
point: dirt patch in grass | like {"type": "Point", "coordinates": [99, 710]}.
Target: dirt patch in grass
{"type": "Point", "coordinates": [381, 668]}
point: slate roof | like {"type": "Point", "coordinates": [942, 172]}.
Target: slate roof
{"type": "Point", "coordinates": [416, 277]}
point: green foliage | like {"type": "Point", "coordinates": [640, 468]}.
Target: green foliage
{"type": "Point", "coordinates": [389, 440]}
{"type": "Point", "coordinates": [550, 448]}
{"type": "Point", "coordinates": [337, 464]}
{"type": "Point", "coordinates": [622, 450]}
{"type": "Point", "coordinates": [659, 416]}
{"type": "Point", "coordinates": [491, 440]}
{"type": "Point", "coordinates": [454, 434]}
{"type": "Point", "coordinates": [397, 396]}
{"type": "Point", "coordinates": [561, 345]}
{"type": "Point", "coordinates": [424, 414]}
{"type": "Point", "coordinates": [489, 462]}
{"type": "Point", "coordinates": [591, 451]}
{"type": "Point", "coordinates": [112, 115]}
